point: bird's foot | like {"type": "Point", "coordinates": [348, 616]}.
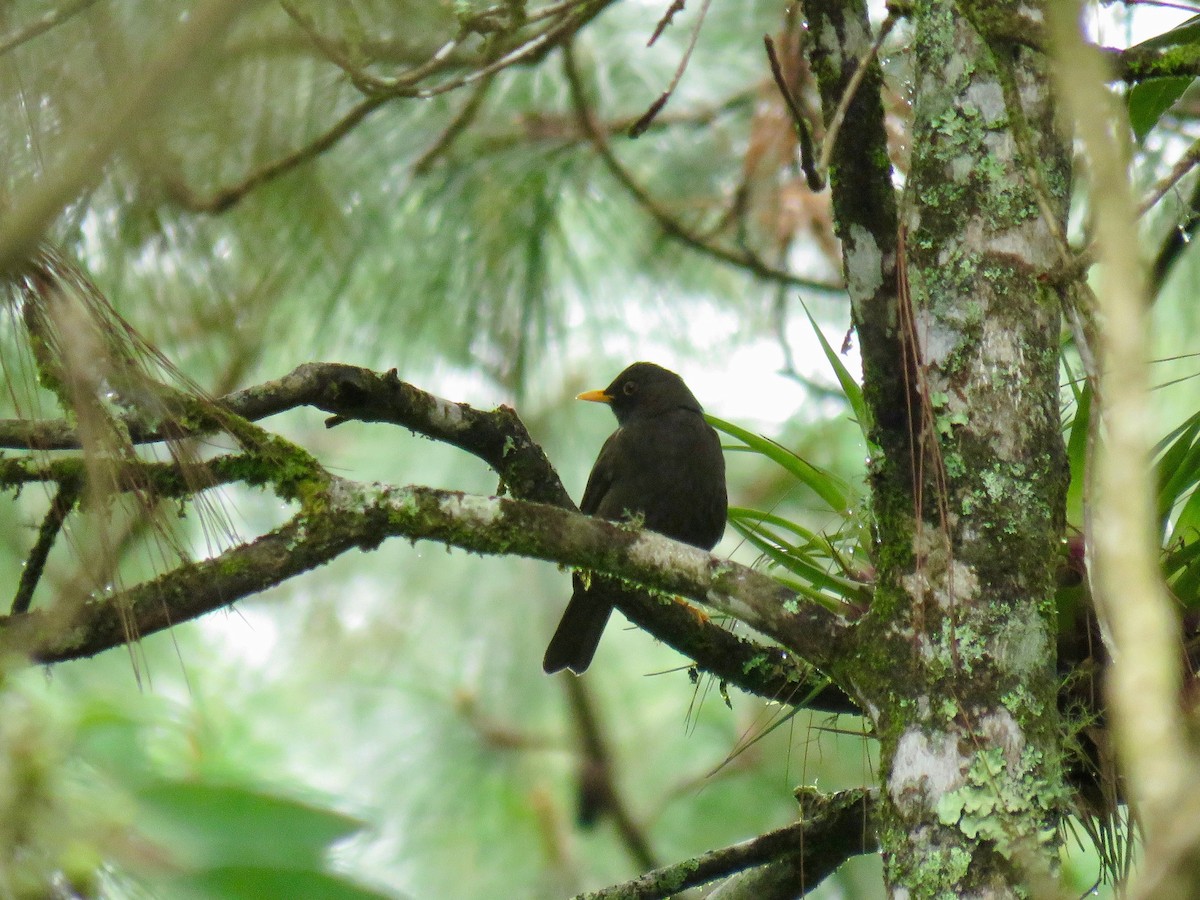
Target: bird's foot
{"type": "Point", "coordinates": [700, 615]}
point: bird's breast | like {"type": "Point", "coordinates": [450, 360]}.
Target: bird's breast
{"type": "Point", "coordinates": [670, 470]}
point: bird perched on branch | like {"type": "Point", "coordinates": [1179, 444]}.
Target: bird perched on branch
{"type": "Point", "coordinates": [663, 465]}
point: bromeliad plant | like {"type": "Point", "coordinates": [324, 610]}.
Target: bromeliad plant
{"type": "Point", "coordinates": [833, 565]}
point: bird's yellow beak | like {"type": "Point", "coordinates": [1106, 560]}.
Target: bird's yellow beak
{"type": "Point", "coordinates": [595, 397]}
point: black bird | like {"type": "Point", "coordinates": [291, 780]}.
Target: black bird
{"type": "Point", "coordinates": [663, 463]}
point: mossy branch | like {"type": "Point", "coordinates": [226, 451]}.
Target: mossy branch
{"type": "Point", "coordinates": [497, 437]}
{"type": "Point", "coordinates": [833, 828]}
{"type": "Point", "coordinates": [362, 515]}
{"type": "Point", "coordinates": [1141, 63]}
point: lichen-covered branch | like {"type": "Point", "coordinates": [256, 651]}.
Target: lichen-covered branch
{"type": "Point", "coordinates": [833, 829]}
{"type": "Point", "coordinates": [350, 392]}
{"type": "Point", "coordinates": [363, 515]}
{"type": "Point", "coordinates": [31, 573]}
{"type": "Point", "coordinates": [498, 437]}
{"type": "Point", "coordinates": [1143, 62]}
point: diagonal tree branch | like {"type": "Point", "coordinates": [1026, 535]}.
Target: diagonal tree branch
{"type": "Point", "coordinates": [1142, 62]}
{"type": "Point", "coordinates": [42, 24]}
{"type": "Point", "coordinates": [347, 392]}
{"type": "Point", "coordinates": [224, 198]}
{"type": "Point", "coordinates": [60, 507]}
{"type": "Point", "coordinates": [833, 829]}
{"type": "Point", "coordinates": [357, 515]}
{"type": "Point", "coordinates": [499, 438]}
{"type": "Point", "coordinates": [599, 794]}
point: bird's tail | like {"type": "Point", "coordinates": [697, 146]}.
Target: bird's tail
{"type": "Point", "coordinates": [578, 634]}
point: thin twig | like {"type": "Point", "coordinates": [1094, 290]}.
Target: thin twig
{"type": "Point", "coordinates": [336, 54]}
{"type": "Point", "coordinates": [839, 114]}
{"type": "Point", "coordinates": [1186, 163]}
{"type": "Point", "coordinates": [667, 18]}
{"type": "Point", "coordinates": [565, 129]}
{"type": "Point", "coordinates": [550, 11]}
{"type": "Point", "coordinates": [668, 223]}
{"type": "Point", "coordinates": [640, 126]}
{"type": "Point", "coordinates": [532, 48]}
{"type": "Point", "coordinates": [569, 15]}
{"type": "Point", "coordinates": [226, 197]}
{"type": "Point", "coordinates": [838, 827]}
{"type": "Point", "coordinates": [814, 178]}
{"type": "Point", "coordinates": [457, 126]}
{"type": "Point", "coordinates": [38, 27]}
{"type": "Point", "coordinates": [60, 507]}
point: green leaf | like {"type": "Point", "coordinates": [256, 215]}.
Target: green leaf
{"type": "Point", "coordinates": [1077, 442]}
{"type": "Point", "coordinates": [1178, 465]}
{"type": "Point", "coordinates": [1181, 566]}
{"type": "Point", "coordinates": [756, 517]}
{"type": "Point", "coordinates": [1149, 99]}
{"type": "Point", "coordinates": [850, 387]}
{"type": "Point", "coordinates": [826, 485]}
{"type": "Point", "coordinates": [816, 581]}
{"type": "Point", "coordinates": [253, 883]}
{"type": "Point", "coordinates": [1187, 523]}
{"type": "Point", "coordinates": [1181, 555]}
{"type": "Point", "coordinates": [210, 826]}
{"type": "Point", "coordinates": [818, 544]}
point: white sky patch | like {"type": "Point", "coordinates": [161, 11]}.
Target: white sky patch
{"type": "Point", "coordinates": [250, 632]}
{"type": "Point", "coordinates": [1118, 26]}
{"type": "Point", "coordinates": [734, 375]}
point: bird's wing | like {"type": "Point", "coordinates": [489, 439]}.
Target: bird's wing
{"type": "Point", "coordinates": [601, 478]}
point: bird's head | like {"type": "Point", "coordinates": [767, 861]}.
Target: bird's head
{"type": "Point", "coordinates": [644, 390]}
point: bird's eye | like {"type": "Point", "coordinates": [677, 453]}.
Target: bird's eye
{"type": "Point", "coordinates": [630, 388]}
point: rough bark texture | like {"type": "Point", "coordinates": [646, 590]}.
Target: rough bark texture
{"type": "Point", "coordinates": [960, 364]}
{"type": "Point", "coordinates": [339, 515]}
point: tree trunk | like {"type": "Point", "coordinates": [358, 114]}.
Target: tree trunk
{"type": "Point", "coordinates": [956, 657]}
